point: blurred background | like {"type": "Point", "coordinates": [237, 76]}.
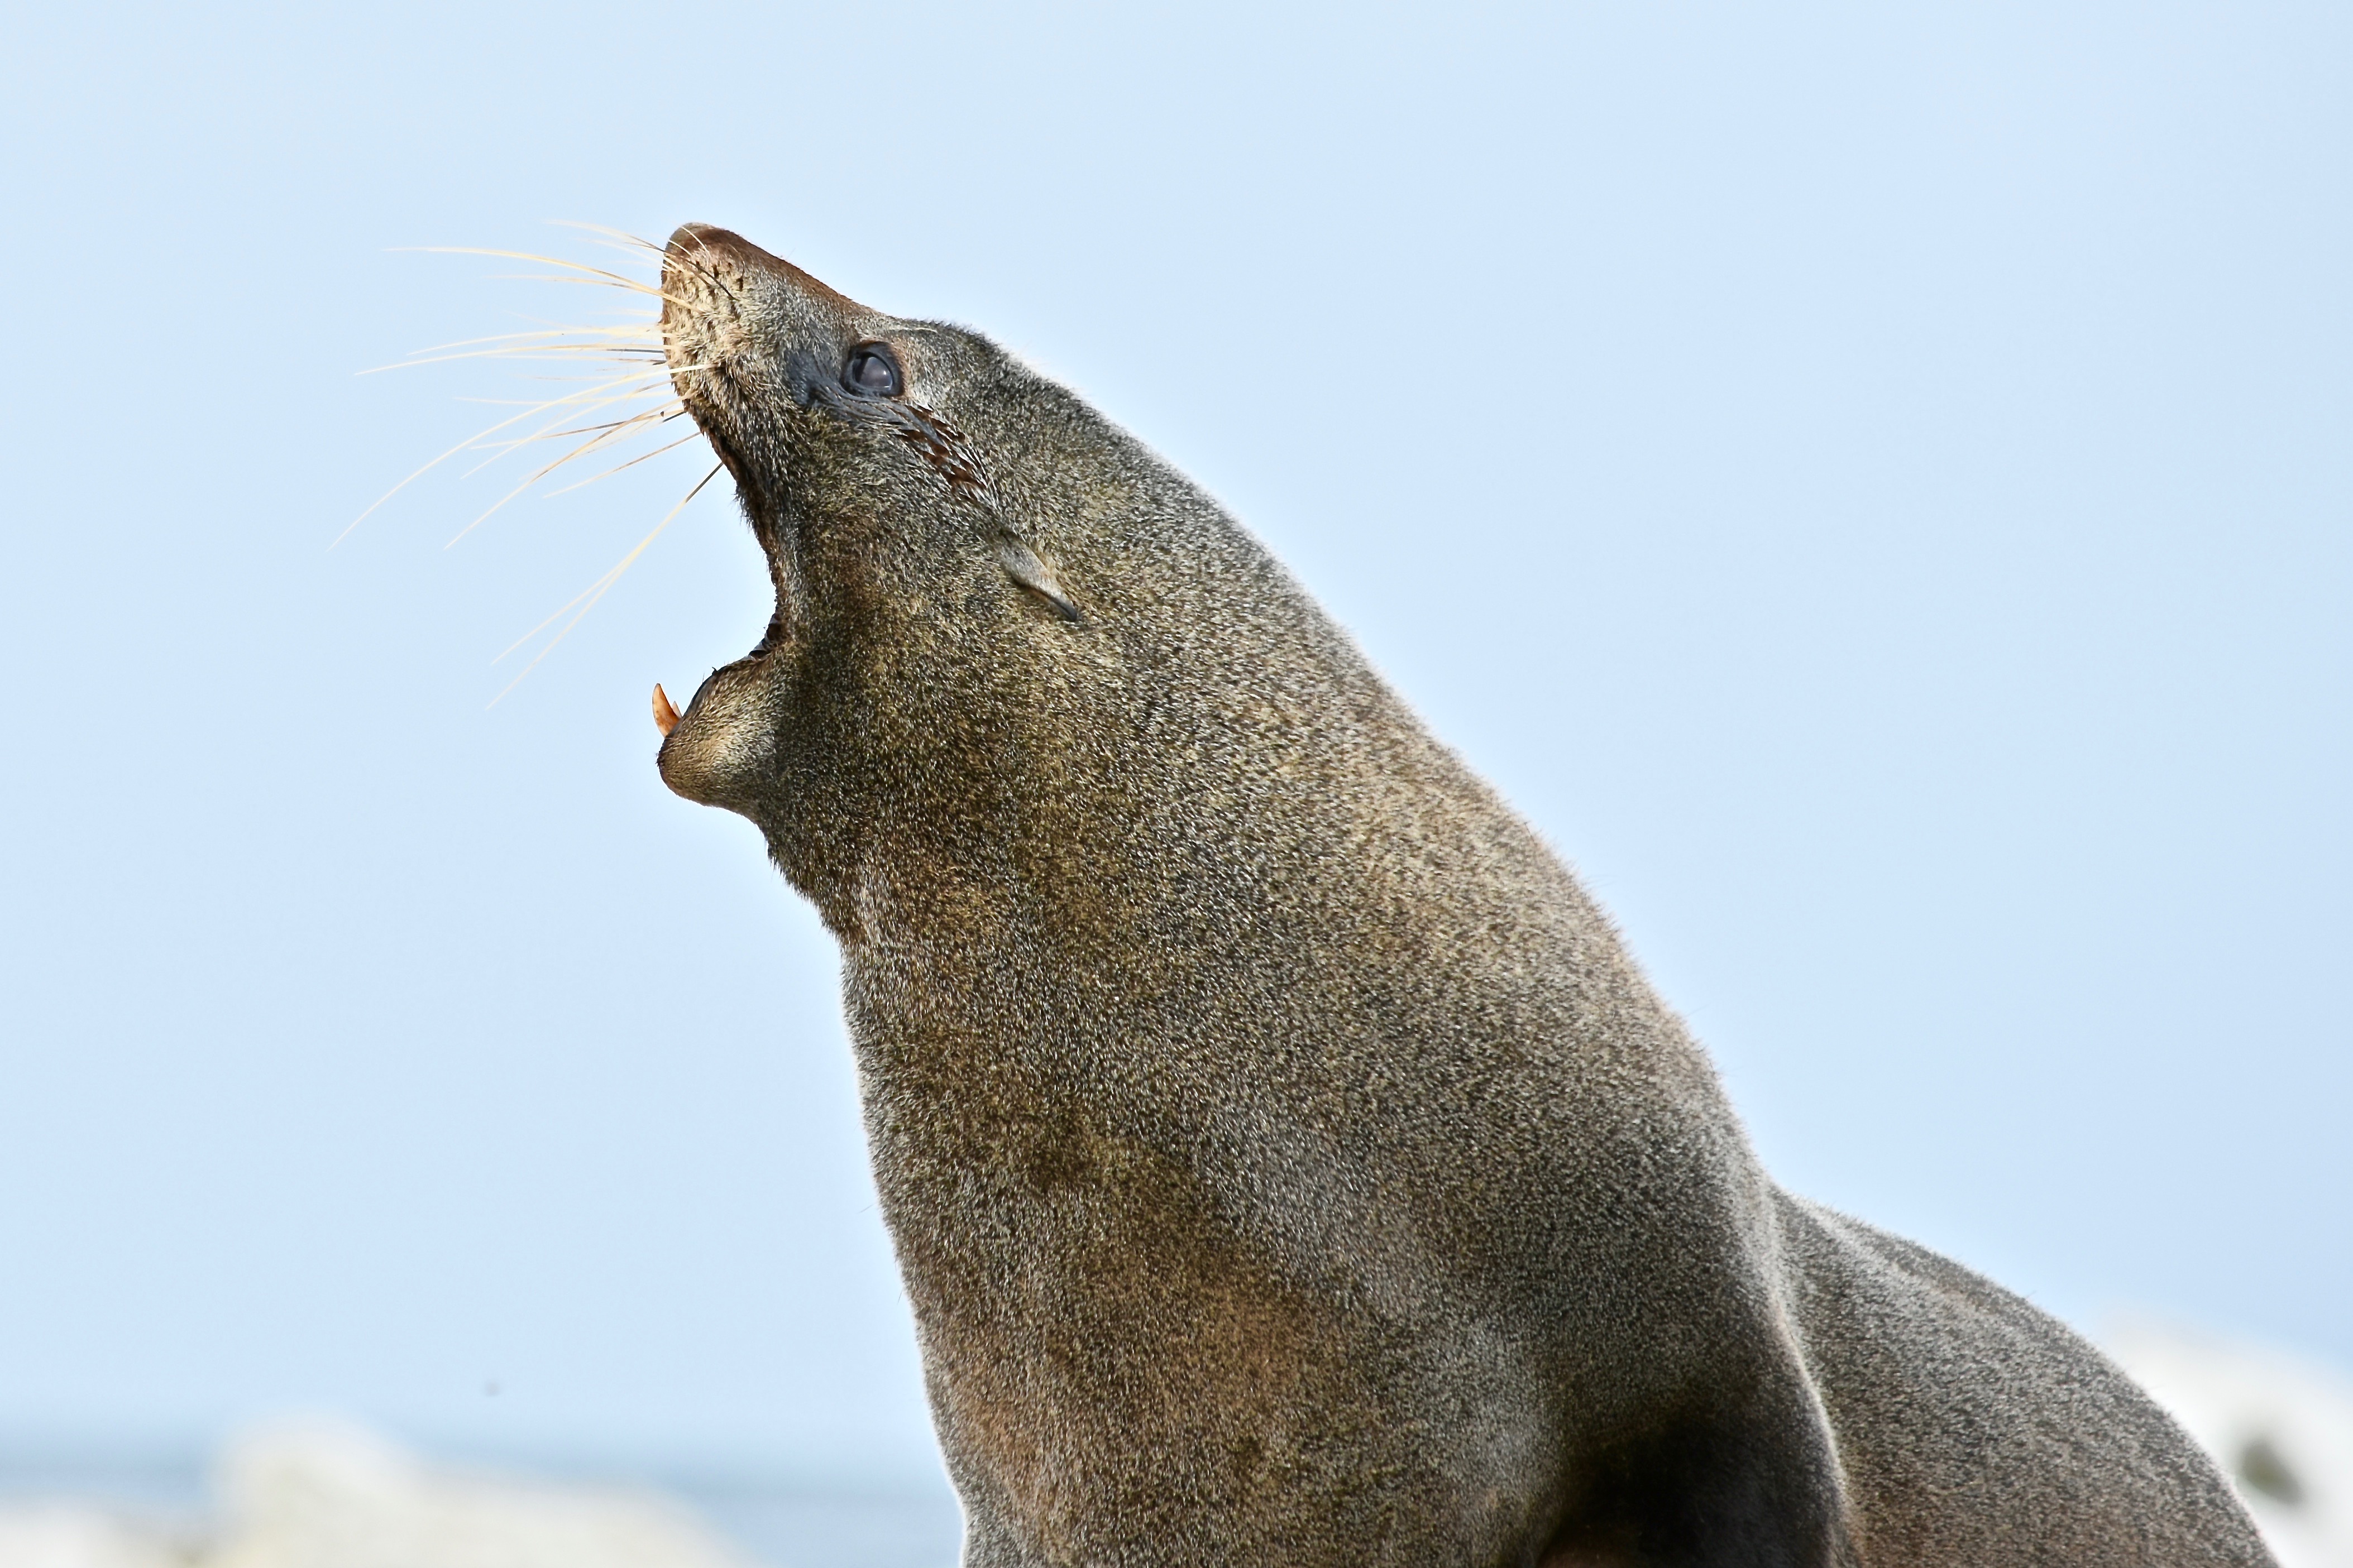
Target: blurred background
{"type": "Point", "coordinates": [1872, 484]}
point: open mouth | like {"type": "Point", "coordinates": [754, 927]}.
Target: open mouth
{"type": "Point", "coordinates": [720, 339]}
{"type": "Point", "coordinates": [707, 337]}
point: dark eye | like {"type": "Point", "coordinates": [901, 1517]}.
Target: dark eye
{"type": "Point", "coordinates": [872, 370]}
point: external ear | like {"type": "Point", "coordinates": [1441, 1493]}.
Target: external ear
{"type": "Point", "coordinates": [1025, 566]}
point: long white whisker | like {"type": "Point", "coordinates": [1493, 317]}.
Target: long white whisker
{"type": "Point", "coordinates": [619, 279]}
{"type": "Point", "coordinates": [627, 240]}
{"type": "Point", "coordinates": [594, 591]}
{"type": "Point", "coordinates": [636, 418]}
{"type": "Point", "coordinates": [550, 352]}
{"type": "Point", "coordinates": [581, 395]}
{"type": "Point", "coordinates": [633, 462]}
{"type": "Point", "coordinates": [654, 415]}
{"type": "Point", "coordinates": [633, 339]}
{"type": "Point", "coordinates": [546, 432]}
{"type": "Point", "coordinates": [592, 444]}
{"type": "Point", "coordinates": [594, 282]}
{"type": "Point", "coordinates": [519, 402]}
{"type": "Point", "coordinates": [556, 329]}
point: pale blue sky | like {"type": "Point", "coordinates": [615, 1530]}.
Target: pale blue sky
{"type": "Point", "coordinates": [1870, 482]}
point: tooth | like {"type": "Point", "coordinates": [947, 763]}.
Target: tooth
{"type": "Point", "coordinates": [665, 716]}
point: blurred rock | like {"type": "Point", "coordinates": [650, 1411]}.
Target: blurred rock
{"type": "Point", "coordinates": [332, 1497]}
{"type": "Point", "coordinates": [61, 1535]}
{"type": "Point", "coordinates": [2281, 1428]}
{"type": "Point", "coordinates": [335, 1497]}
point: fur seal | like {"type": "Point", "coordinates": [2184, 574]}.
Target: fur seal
{"type": "Point", "coordinates": [1285, 1160]}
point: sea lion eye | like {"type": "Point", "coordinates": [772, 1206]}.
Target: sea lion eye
{"type": "Point", "coordinates": [872, 370]}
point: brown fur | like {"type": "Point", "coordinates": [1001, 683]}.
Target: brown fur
{"type": "Point", "coordinates": [1286, 1163]}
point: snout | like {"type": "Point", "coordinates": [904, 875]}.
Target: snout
{"type": "Point", "coordinates": [723, 257]}
{"type": "Point", "coordinates": [711, 246]}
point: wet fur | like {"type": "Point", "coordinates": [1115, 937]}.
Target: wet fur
{"type": "Point", "coordinates": [1286, 1163]}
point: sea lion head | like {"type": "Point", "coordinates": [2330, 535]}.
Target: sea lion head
{"type": "Point", "coordinates": [967, 560]}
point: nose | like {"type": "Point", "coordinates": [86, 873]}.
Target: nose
{"type": "Point", "coordinates": [703, 241]}
{"type": "Point", "coordinates": [736, 260]}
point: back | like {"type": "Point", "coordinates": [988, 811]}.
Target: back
{"type": "Point", "coordinates": [1975, 1429]}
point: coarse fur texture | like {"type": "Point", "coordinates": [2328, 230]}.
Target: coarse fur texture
{"type": "Point", "coordinates": [1286, 1163]}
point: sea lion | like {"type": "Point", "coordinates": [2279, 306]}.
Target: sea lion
{"type": "Point", "coordinates": [1286, 1163]}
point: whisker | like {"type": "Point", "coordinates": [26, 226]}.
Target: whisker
{"type": "Point", "coordinates": [554, 330]}
{"type": "Point", "coordinates": [588, 274]}
{"type": "Point", "coordinates": [594, 591]}
{"type": "Point", "coordinates": [592, 444]}
{"type": "Point", "coordinates": [596, 282]}
{"type": "Point", "coordinates": [573, 406]}
{"type": "Point", "coordinates": [626, 238]}
{"type": "Point", "coordinates": [647, 372]}
{"type": "Point", "coordinates": [551, 351]}
{"type": "Point", "coordinates": [545, 433]}
{"type": "Point", "coordinates": [653, 377]}
{"type": "Point", "coordinates": [662, 251]}
{"type": "Point", "coordinates": [620, 279]}
{"type": "Point", "coordinates": [644, 417]}
{"type": "Point", "coordinates": [708, 275]}
{"type": "Point", "coordinates": [589, 429]}
{"type": "Point", "coordinates": [516, 420]}
{"type": "Point", "coordinates": [620, 363]}
{"type": "Point", "coordinates": [559, 380]}
{"type": "Point", "coordinates": [633, 462]}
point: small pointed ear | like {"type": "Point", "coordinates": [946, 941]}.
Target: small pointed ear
{"type": "Point", "coordinates": [1024, 565]}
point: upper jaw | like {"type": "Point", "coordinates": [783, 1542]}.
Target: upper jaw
{"type": "Point", "coordinates": [728, 306]}
{"type": "Point", "coordinates": [704, 334]}
{"type": "Point", "coordinates": [747, 336]}
{"type": "Point", "coordinates": [711, 319]}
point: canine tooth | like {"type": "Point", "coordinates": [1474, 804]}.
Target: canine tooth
{"type": "Point", "coordinates": [665, 716]}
